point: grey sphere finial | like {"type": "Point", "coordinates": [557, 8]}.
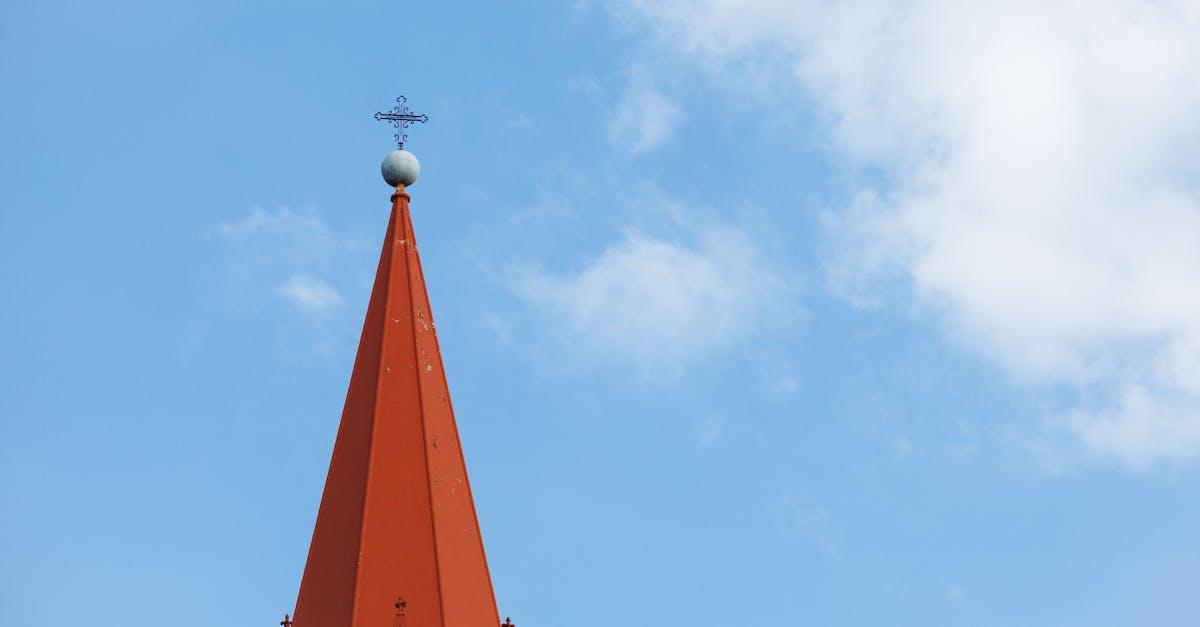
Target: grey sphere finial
{"type": "Point", "coordinates": [400, 167]}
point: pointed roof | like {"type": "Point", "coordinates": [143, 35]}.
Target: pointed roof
{"type": "Point", "coordinates": [396, 541]}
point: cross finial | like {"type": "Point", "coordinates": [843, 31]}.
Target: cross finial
{"type": "Point", "coordinates": [400, 117]}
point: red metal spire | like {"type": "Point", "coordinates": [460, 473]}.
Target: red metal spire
{"type": "Point", "coordinates": [396, 540]}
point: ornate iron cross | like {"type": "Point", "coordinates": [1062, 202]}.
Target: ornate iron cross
{"type": "Point", "coordinates": [400, 117]}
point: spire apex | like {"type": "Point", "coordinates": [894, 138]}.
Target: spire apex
{"type": "Point", "coordinates": [401, 192]}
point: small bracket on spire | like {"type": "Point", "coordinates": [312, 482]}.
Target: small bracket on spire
{"type": "Point", "coordinates": [401, 605]}
{"type": "Point", "coordinates": [400, 117]}
{"type": "Point", "coordinates": [287, 621]}
{"type": "Point", "coordinates": [507, 623]}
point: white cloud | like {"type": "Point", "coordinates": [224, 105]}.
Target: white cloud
{"type": "Point", "coordinates": [1038, 198]}
{"type": "Point", "coordinates": [644, 120]}
{"type": "Point", "coordinates": [584, 84]}
{"type": "Point", "coordinates": [282, 236]}
{"type": "Point", "coordinates": [294, 254]}
{"type": "Point", "coordinates": [271, 259]}
{"type": "Point", "coordinates": [310, 293]}
{"type": "Point", "coordinates": [657, 306]}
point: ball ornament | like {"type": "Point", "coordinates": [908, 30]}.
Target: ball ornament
{"type": "Point", "coordinates": [400, 167]}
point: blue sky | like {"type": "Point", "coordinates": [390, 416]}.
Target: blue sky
{"type": "Point", "coordinates": [755, 314]}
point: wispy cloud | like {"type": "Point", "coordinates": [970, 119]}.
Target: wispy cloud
{"type": "Point", "coordinates": [268, 257]}
{"type": "Point", "coordinates": [282, 235]}
{"type": "Point", "coordinates": [657, 305]}
{"type": "Point", "coordinates": [310, 293]}
{"type": "Point", "coordinates": [1038, 197]}
{"type": "Point", "coordinates": [645, 119]}
{"type": "Point", "coordinates": [584, 84]}
{"type": "Point", "coordinates": [812, 520]}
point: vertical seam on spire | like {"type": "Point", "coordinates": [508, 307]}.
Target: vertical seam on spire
{"type": "Point", "coordinates": [411, 253]}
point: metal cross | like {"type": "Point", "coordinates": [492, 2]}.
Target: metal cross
{"type": "Point", "coordinates": [401, 117]}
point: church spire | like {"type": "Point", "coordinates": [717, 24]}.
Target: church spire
{"type": "Point", "coordinates": [396, 539]}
